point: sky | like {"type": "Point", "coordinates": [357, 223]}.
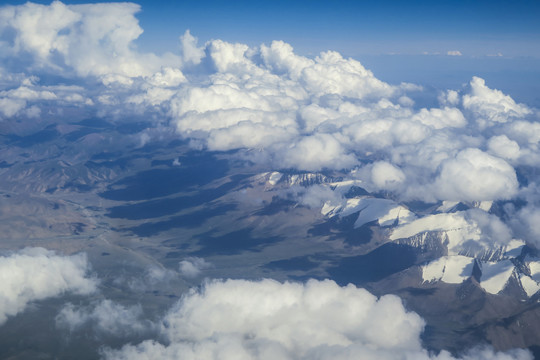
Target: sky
{"type": "Point", "coordinates": [399, 41]}
{"type": "Point", "coordinates": [475, 28]}
{"type": "Point", "coordinates": [360, 27]}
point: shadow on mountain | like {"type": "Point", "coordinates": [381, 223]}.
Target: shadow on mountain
{"type": "Point", "coordinates": [78, 134]}
{"type": "Point", "coordinates": [197, 169]}
{"type": "Point", "coordinates": [168, 206]}
{"type": "Point", "coordinates": [384, 261]}
{"type": "Point", "coordinates": [232, 243]}
{"type": "Point", "coordinates": [48, 134]}
{"type": "Point", "coordinates": [343, 228]}
{"type": "Point", "coordinates": [277, 205]}
{"type": "Point", "coordinates": [190, 220]}
{"type": "Point", "coordinates": [299, 263]}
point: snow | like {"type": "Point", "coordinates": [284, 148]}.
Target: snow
{"type": "Point", "coordinates": [534, 266]}
{"type": "Point", "coordinates": [343, 186]}
{"type": "Point", "coordinates": [514, 248]}
{"type": "Point", "coordinates": [274, 178]}
{"type": "Point", "coordinates": [530, 286]}
{"type": "Point", "coordinates": [485, 205]}
{"type": "Point", "coordinates": [261, 177]}
{"type": "Point", "coordinates": [387, 212]}
{"type": "Point", "coordinates": [495, 275]}
{"type": "Point", "coordinates": [447, 205]}
{"type": "Point", "coordinates": [330, 209]}
{"type": "Point", "coordinates": [449, 269]}
{"type": "Point", "coordinates": [456, 227]}
{"type": "Point", "coordinates": [307, 179]}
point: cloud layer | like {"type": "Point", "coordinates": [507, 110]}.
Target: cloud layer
{"type": "Point", "coordinates": [106, 317]}
{"type": "Point", "coordinates": [277, 108]}
{"type": "Point", "coordinates": [89, 39]}
{"type": "Point", "coordinates": [36, 274]}
{"type": "Point", "coordinates": [239, 319]}
{"type": "Point", "coordinates": [327, 112]}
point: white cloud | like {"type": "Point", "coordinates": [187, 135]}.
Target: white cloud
{"type": "Point", "coordinates": [441, 118]}
{"type": "Point", "coordinates": [153, 277]}
{"type": "Point", "coordinates": [386, 176]}
{"type": "Point", "coordinates": [281, 59]}
{"type": "Point", "coordinates": [526, 133]}
{"type": "Point", "coordinates": [192, 267]}
{"type": "Point", "coordinates": [317, 152]}
{"type": "Point", "coordinates": [106, 317]}
{"type": "Point", "coordinates": [190, 52]}
{"type": "Point", "coordinates": [503, 147]}
{"type": "Point", "coordinates": [318, 195]}
{"type": "Point", "coordinates": [239, 319]}
{"type": "Point", "coordinates": [326, 112]}
{"type": "Point", "coordinates": [35, 274]}
{"type": "Point", "coordinates": [528, 223]}
{"type": "Point", "coordinates": [16, 101]}
{"type": "Point", "coordinates": [332, 74]}
{"type": "Point", "coordinates": [454, 53]}
{"type": "Point", "coordinates": [91, 39]}
{"type": "Point", "coordinates": [490, 106]}
{"type": "Point", "coordinates": [449, 98]}
{"type": "Point", "coordinates": [474, 175]}
{"type": "Point", "coordinates": [10, 107]}
{"type": "Point", "coordinates": [493, 231]}
{"type": "Point", "coordinates": [167, 77]}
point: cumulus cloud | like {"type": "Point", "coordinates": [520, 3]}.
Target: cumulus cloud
{"type": "Point", "coordinates": [106, 318]}
{"type": "Point", "coordinates": [489, 105]}
{"type": "Point", "coordinates": [91, 39]}
{"type": "Point", "coordinates": [526, 223]}
{"type": "Point", "coordinates": [317, 152]}
{"type": "Point", "coordinates": [476, 175]}
{"type": "Point", "coordinates": [192, 267]}
{"type": "Point", "coordinates": [152, 277]}
{"type": "Point", "coordinates": [317, 195]}
{"type": "Point", "coordinates": [28, 97]}
{"type": "Point", "coordinates": [191, 53]}
{"type": "Point", "coordinates": [290, 108]}
{"type": "Point", "coordinates": [503, 147]}
{"type": "Point", "coordinates": [239, 319]}
{"type": "Point", "coordinates": [442, 118]}
{"type": "Point", "coordinates": [386, 176]}
{"type": "Point", "coordinates": [317, 113]}
{"type": "Point", "coordinates": [493, 232]}
{"type": "Point", "coordinates": [35, 274]}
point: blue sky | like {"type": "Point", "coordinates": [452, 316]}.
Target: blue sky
{"type": "Point", "coordinates": [476, 28]}
{"type": "Point", "coordinates": [398, 40]}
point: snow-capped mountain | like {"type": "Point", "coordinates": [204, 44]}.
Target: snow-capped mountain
{"type": "Point", "coordinates": [465, 240]}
